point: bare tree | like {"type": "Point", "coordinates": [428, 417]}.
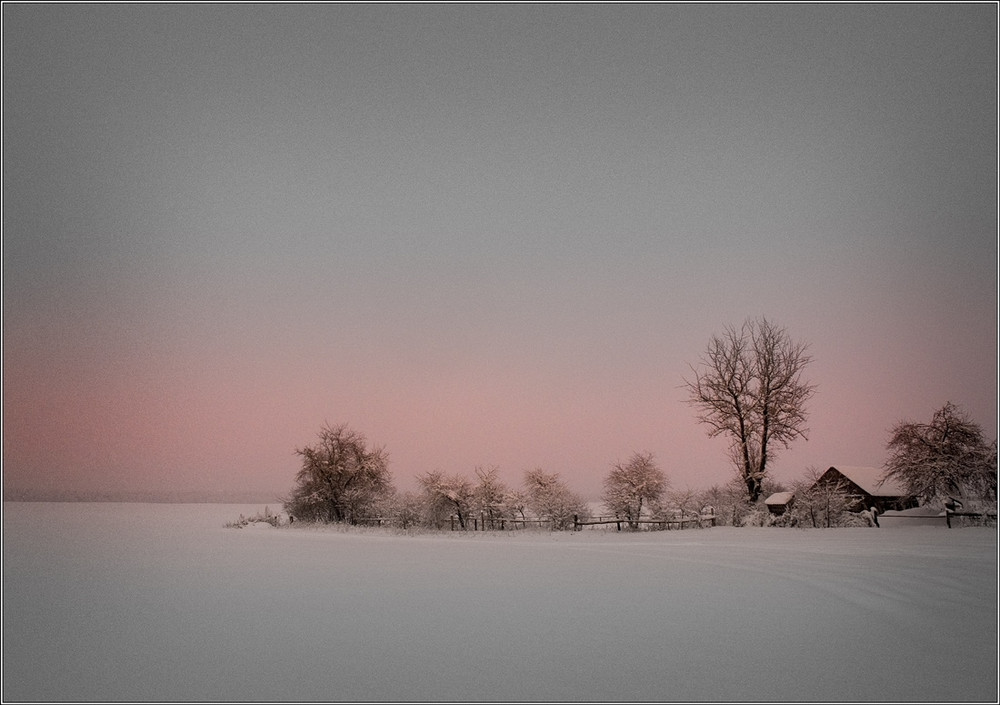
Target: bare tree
{"type": "Point", "coordinates": [822, 503]}
{"type": "Point", "coordinates": [749, 389]}
{"type": "Point", "coordinates": [737, 510]}
{"type": "Point", "coordinates": [684, 503]}
{"type": "Point", "coordinates": [447, 494]}
{"type": "Point", "coordinates": [341, 477]}
{"type": "Point", "coordinates": [406, 509]}
{"type": "Point", "coordinates": [948, 456]}
{"type": "Point", "coordinates": [550, 498]}
{"type": "Point", "coordinates": [721, 502]}
{"type": "Point", "coordinates": [491, 496]}
{"type": "Point", "coordinates": [630, 484]}
{"type": "Point", "coordinates": [516, 502]}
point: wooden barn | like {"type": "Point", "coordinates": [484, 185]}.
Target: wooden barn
{"type": "Point", "coordinates": [866, 487]}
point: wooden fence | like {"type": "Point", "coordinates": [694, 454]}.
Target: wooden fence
{"type": "Point", "coordinates": [663, 523]}
{"type": "Point", "coordinates": [701, 520]}
{"type": "Point", "coordinates": [483, 523]}
{"type": "Point", "coordinates": [985, 517]}
{"type": "Point", "coordinates": [472, 523]}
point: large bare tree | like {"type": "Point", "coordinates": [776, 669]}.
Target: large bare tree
{"type": "Point", "coordinates": [749, 389]}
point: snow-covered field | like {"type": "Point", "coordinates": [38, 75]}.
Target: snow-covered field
{"type": "Point", "coordinates": [160, 602]}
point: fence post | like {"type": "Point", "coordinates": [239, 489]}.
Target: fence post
{"type": "Point", "coordinates": [452, 517]}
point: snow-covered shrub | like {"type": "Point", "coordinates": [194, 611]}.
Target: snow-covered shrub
{"type": "Point", "coordinates": [237, 524]}
{"type": "Point", "coordinates": [265, 517]}
{"type": "Point", "coordinates": [756, 515]}
{"type": "Point", "coordinates": [788, 519]}
{"type": "Point", "coordinates": [405, 510]}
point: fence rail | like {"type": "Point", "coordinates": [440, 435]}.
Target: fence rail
{"type": "Point", "coordinates": [484, 523]}
{"type": "Point", "coordinates": [700, 520]}
{"type": "Point", "coordinates": [985, 517]}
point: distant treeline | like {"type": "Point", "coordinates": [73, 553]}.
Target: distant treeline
{"type": "Point", "coordinates": [11, 494]}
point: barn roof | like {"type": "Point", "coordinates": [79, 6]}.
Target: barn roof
{"type": "Point", "coordinates": [870, 480]}
{"type": "Point", "coordinates": [779, 498]}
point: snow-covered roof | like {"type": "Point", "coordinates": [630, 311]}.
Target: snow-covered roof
{"type": "Point", "coordinates": [870, 480]}
{"type": "Point", "coordinates": [779, 498]}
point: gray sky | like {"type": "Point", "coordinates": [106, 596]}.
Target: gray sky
{"type": "Point", "coordinates": [483, 234]}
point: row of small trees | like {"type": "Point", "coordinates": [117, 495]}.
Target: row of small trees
{"type": "Point", "coordinates": [343, 479]}
{"type": "Point", "coordinates": [542, 497]}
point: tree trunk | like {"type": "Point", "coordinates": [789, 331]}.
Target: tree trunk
{"type": "Point", "coordinates": [753, 488]}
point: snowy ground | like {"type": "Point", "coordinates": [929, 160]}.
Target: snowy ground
{"type": "Point", "coordinates": [160, 602]}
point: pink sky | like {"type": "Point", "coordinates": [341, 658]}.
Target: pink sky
{"type": "Point", "coordinates": [482, 236]}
